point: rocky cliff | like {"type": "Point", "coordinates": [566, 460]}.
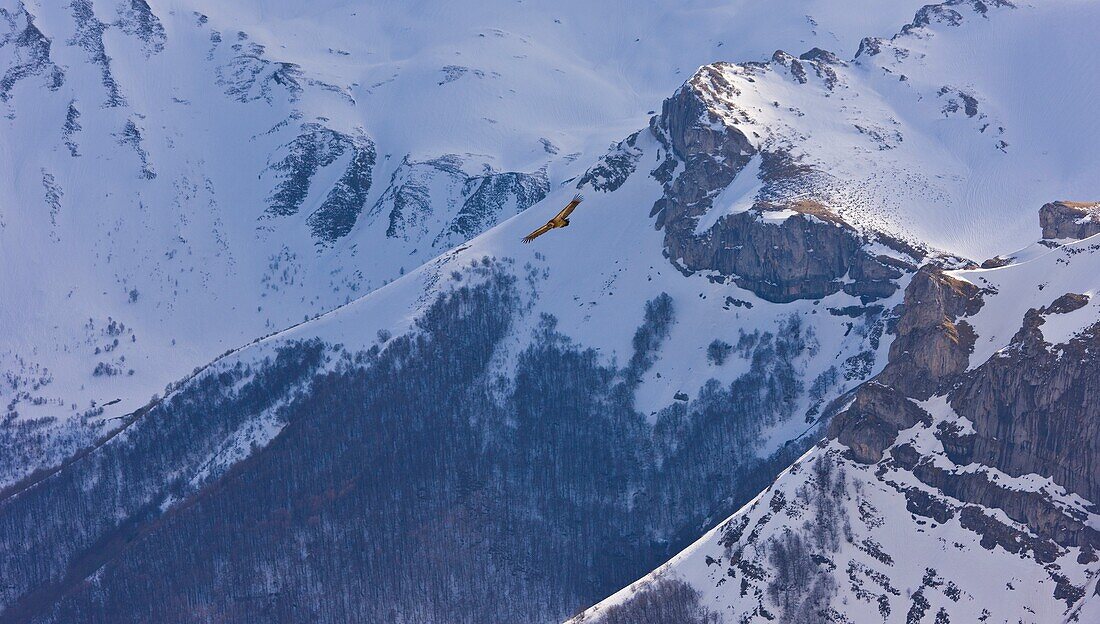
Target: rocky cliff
{"type": "Point", "coordinates": [1065, 219]}
{"type": "Point", "coordinates": [785, 245]}
{"type": "Point", "coordinates": [976, 441]}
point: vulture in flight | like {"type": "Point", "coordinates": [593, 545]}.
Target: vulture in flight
{"type": "Point", "coordinates": [560, 220]}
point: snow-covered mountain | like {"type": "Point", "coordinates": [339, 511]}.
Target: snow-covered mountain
{"type": "Point", "coordinates": [416, 418]}
{"type": "Point", "coordinates": [183, 177]}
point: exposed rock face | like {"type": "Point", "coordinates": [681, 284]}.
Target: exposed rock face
{"type": "Point", "coordinates": [821, 61]}
{"type": "Point", "coordinates": [797, 257]}
{"type": "Point", "coordinates": [132, 137]}
{"type": "Point", "coordinates": [440, 202]}
{"type": "Point", "coordinates": [406, 202]}
{"type": "Point", "coordinates": [1035, 407]}
{"type": "Point", "coordinates": [789, 252]}
{"type": "Point", "coordinates": [137, 19]}
{"type": "Point", "coordinates": [996, 262]}
{"type": "Point", "coordinates": [934, 13]}
{"type": "Point", "coordinates": [869, 46]}
{"type": "Point", "coordinates": [796, 68]}
{"type": "Point", "coordinates": [932, 343]}
{"type": "Point", "coordinates": [956, 100]}
{"type": "Point", "coordinates": [781, 249]}
{"type": "Point", "coordinates": [250, 76]}
{"type": "Point", "coordinates": [1067, 303]}
{"type": "Point", "coordinates": [1065, 219]}
{"type": "Point", "coordinates": [614, 167]}
{"type": "Point", "coordinates": [336, 215]}
{"type": "Point", "coordinates": [821, 56]}
{"type": "Point", "coordinates": [89, 36]}
{"type": "Point", "coordinates": [1031, 409]}
{"type": "Point", "coordinates": [712, 153]}
{"type": "Point", "coordinates": [871, 423]}
{"type": "Point", "coordinates": [1041, 515]}
{"type": "Point", "coordinates": [487, 199]}
{"type": "Point", "coordinates": [315, 148]}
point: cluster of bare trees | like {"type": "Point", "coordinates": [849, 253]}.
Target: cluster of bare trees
{"type": "Point", "coordinates": [404, 487]}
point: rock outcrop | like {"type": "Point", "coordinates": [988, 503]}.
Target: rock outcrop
{"type": "Point", "coordinates": [1066, 219]}
{"type": "Point", "coordinates": [491, 197]}
{"type": "Point", "coordinates": [871, 423]}
{"type": "Point", "coordinates": [932, 342]}
{"type": "Point", "coordinates": [1034, 408]}
{"type": "Point", "coordinates": [446, 200]}
{"type": "Point", "coordinates": [31, 52]}
{"type": "Point", "coordinates": [797, 255]}
{"type": "Point", "coordinates": [315, 148]}
{"type": "Point", "coordinates": [1030, 410]}
{"type": "Point", "coordinates": [712, 152]}
{"type": "Point", "coordinates": [782, 249]}
{"type": "Point", "coordinates": [615, 167]}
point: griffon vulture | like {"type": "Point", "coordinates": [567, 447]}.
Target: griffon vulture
{"type": "Point", "coordinates": [560, 220]}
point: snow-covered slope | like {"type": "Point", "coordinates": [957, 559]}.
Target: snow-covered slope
{"type": "Point", "coordinates": [541, 424]}
{"type": "Point", "coordinates": [183, 177]}
{"type": "Point", "coordinates": [650, 368]}
{"type": "Point", "coordinates": [947, 133]}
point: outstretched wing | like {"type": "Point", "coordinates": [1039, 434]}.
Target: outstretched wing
{"type": "Point", "coordinates": [537, 233]}
{"type": "Point", "coordinates": [569, 207]}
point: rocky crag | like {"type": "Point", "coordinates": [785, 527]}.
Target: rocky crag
{"type": "Point", "coordinates": [986, 460]}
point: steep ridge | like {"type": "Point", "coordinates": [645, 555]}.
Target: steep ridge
{"type": "Point", "coordinates": [953, 459]}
